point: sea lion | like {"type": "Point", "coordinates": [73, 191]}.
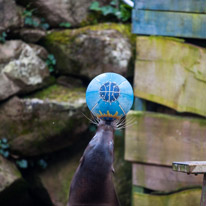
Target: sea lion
{"type": "Point", "coordinates": [92, 183]}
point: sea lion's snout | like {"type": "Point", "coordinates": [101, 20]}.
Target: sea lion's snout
{"type": "Point", "coordinates": [106, 126]}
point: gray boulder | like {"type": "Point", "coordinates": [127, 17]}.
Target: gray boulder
{"type": "Point", "coordinates": [10, 16]}
{"type": "Point", "coordinates": [92, 50]}
{"type": "Point", "coordinates": [31, 35]}
{"type": "Point", "coordinates": [48, 121]}
{"type": "Point", "coordinates": [56, 12]}
{"type": "Point", "coordinates": [8, 173]}
{"type": "Point", "coordinates": [22, 68]}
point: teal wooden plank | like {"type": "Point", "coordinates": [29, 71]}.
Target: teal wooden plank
{"type": "Point", "coordinates": [139, 104]}
{"type": "Point", "coordinates": [177, 24]}
{"type": "Point", "coordinates": [197, 6]}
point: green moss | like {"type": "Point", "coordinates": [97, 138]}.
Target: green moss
{"type": "Point", "coordinates": [167, 38]}
{"type": "Point", "coordinates": [60, 93]}
{"type": "Point", "coordinates": [187, 197]}
{"type": "Point", "coordinates": [67, 36]}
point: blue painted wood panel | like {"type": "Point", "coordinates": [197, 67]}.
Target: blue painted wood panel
{"type": "Point", "coordinates": [162, 23]}
{"type": "Point", "coordinates": [193, 6]}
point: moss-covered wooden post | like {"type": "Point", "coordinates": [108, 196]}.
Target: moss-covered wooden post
{"type": "Point", "coordinates": [193, 167]}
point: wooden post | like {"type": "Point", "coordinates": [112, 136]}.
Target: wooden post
{"type": "Point", "coordinates": [193, 167]}
{"type": "Point", "coordinates": [203, 198]}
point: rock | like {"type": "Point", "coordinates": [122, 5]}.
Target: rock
{"type": "Point", "coordinates": [56, 12]}
{"type": "Point", "coordinates": [40, 51]}
{"type": "Point", "coordinates": [21, 68]}
{"type": "Point", "coordinates": [48, 121]}
{"type": "Point", "coordinates": [57, 178]}
{"type": "Point", "coordinates": [8, 173]}
{"type": "Point", "coordinates": [92, 50]}
{"type": "Point", "coordinates": [70, 82]}
{"type": "Point", "coordinates": [9, 15]}
{"type": "Point", "coordinates": [32, 35]}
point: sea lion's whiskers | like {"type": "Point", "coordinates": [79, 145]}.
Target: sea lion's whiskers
{"type": "Point", "coordinates": [96, 123]}
{"type": "Point", "coordinates": [123, 123]}
{"type": "Point", "coordinates": [126, 126]}
{"type": "Point", "coordinates": [95, 118]}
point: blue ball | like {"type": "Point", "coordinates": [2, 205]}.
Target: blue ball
{"type": "Point", "coordinates": [109, 96]}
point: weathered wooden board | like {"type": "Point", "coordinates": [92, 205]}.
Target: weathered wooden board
{"type": "Point", "coordinates": [161, 178]}
{"type": "Point", "coordinates": [190, 167]}
{"type": "Point", "coordinates": [172, 73]}
{"type": "Point", "coordinates": [139, 104]}
{"type": "Point", "coordinates": [189, 25]}
{"type": "Point", "coordinates": [189, 197]}
{"type": "Point", "coordinates": [162, 139]}
{"type": "Point", "coordinates": [196, 6]}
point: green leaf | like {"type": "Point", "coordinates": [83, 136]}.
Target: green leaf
{"type": "Point", "coordinates": [22, 163]}
{"type": "Point", "coordinates": [4, 140]}
{"type": "Point", "coordinates": [27, 13]}
{"type": "Point", "coordinates": [65, 24]}
{"type": "Point", "coordinates": [51, 68]}
{"type": "Point", "coordinates": [113, 3]}
{"type": "Point", "coordinates": [35, 23]}
{"type": "Point", "coordinates": [42, 163]}
{"type": "Point", "coordinates": [45, 26]}
{"type": "Point", "coordinates": [53, 61]}
{"type": "Point", "coordinates": [4, 146]}
{"type": "Point", "coordinates": [28, 21]}
{"type": "Point", "coordinates": [95, 6]}
{"type": "Point", "coordinates": [107, 10]}
{"type": "Point", "coordinates": [5, 154]}
{"type": "Point", "coordinates": [125, 12]}
{"type": "Point", "coordinates": [4, 35]}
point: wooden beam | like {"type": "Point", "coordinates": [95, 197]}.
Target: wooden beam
{"type": "Point", "coordinates": [162, 139]}
{"type": "Point", "coordinates": [193, 167]}
{"type": "Point", "coordinates": [194, 6]}
{"type": "Point", "coordinates": [160, 23]}
{"type": "Point", "coordinates": [190, 167]}
{"type": "Point", "coordinates": [190, 197]}
{"type": "Point", "coordinates": [161, 178]}
{"type": "Point", "coordinates": [171, 73]}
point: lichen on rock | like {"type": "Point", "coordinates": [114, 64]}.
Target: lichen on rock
{"type": "Point", "coordinates": [22, 68]}
{"type": "Point", "coordinates": [92, 50]}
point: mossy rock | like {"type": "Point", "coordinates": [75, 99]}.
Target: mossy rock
{"type": "Point", "coordinates": [8, 173]}
{"type": "Point", "coordinates": [57, 177]}
{"type": "Point", "coordinates": [92, 50]}
{"type": "Point", "coordinates": [45, 122]}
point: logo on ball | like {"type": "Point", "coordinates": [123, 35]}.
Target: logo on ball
{"type": "Point", "coordinates": [109, 92]}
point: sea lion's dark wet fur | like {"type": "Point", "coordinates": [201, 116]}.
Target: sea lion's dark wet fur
{"type": "Point", "coordinates": [92, 182]}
